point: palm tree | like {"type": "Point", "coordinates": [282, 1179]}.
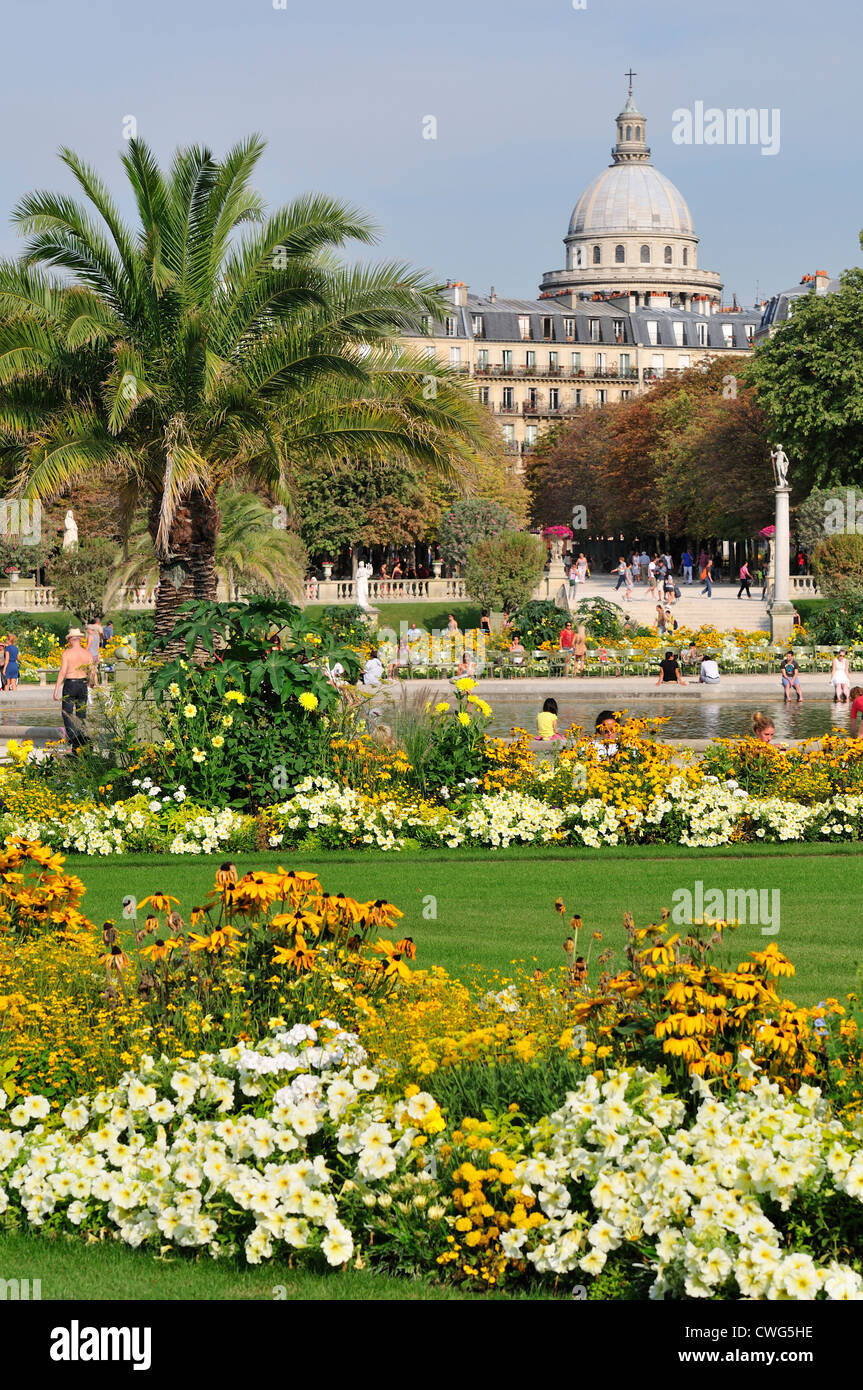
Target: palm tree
{"type": "Point", "coordinates": [252, 550]}
{"type": "Point", "coordinates": [212, 342]}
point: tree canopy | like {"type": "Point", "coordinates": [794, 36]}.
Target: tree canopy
{"type": "Point", "coordinates": [689, 457]}
{"type": "Point", "coordinates": [809, 383]}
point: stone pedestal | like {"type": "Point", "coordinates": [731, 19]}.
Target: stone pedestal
{"type": "Point", "coordinates": [781, 607]}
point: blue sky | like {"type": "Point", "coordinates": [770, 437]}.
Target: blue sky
{"type": "Point", "coordinates": [524, 95]}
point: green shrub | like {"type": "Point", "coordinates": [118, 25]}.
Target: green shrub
{"type": "Point", "coordinates": [503, 572]}
{"type": "Point", "coordinates": [539, 621]}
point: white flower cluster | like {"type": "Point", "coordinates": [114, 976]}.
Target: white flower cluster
{"type": "Point", "coordinates": [347, 817]}
{"type": "Point", "coordinates": [694, 1191]}
{"type": "Point", "coordinates": [506, 818]}
{"type": "Point", "coordinates": [174, 1153]}
{"type": "Point", "coordinates": [207, 832]}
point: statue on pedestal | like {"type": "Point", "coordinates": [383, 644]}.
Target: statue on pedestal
{"type": "Point", "coordinates": [781, 465]}
{"type": "Point", "coordinates": [364, 574]}
{"type": "Point", "coordinates": [70, 531]}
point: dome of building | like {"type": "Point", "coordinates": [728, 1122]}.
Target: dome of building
{"type": "Point", "coordinates": [631, 198]}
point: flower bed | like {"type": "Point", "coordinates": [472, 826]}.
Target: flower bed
{"type": "Point", "coordinates": [548, 1148]}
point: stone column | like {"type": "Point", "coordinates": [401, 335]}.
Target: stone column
{"type": "Point", "coordinates": [781, 608]}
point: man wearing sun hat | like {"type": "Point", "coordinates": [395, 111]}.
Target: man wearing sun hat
{"type": "Point", "coordinates": [73, 680]}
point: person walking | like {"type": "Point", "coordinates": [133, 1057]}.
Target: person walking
{"type": "Point", "coordinates": [627, 579]}
{"type": "Point", "coordinates": [706, 575]}
{"type": "Point", "coordinates": [11, 669]}
{"type": "Point", "coordinates": [745, 580]}
{"type": "Point", "coordinates": [791, 676]}
{"type": "Point", "coordinates": [582, 571]}
{"type": "Point", "coordinates": [660, 619]}
{"type": "Point", "coordinates": [621, 573]}
{"type": "Point", "coordinates": [77, 672]}
{"type": "Point", "coordinates": [635, 561]}
{"type": "Point", "coordinates": [840, 676]}
{"type": "Point", "coordinates": [651, 577]}
{"type": "Point", "coordinates": [686, 565]}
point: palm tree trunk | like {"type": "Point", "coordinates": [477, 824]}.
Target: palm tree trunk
{"type": "Point", "coordinates": [192, 539]}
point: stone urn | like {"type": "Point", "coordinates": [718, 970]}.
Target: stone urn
{"type": "Point", "coordinates": [14, 576]}
{"type": "Point", "coordinates": [328, 571]}
{"type": "Point", "coordinates": [437, 566]}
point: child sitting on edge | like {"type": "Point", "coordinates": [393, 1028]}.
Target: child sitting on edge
{"type": "Point", "coordinates": [546, 721]}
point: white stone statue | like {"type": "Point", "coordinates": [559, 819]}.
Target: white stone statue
{"type": "Point", "coordinates": [780, 466]}
{"type": "Point", "coordinates": [70, 531]}
{"type": "Point", "coordinates": [364, 574]}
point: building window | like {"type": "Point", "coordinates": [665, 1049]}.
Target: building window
{"type": "Point", "coordinates": [431, 351]}
{"type": "Point", "coordinates": [683, 360]}
{"type": "Point", "coordinates": [629, 132]}
{"type": "Point", "coordinates": [601, 396]}
{"type": "Point", "coordinates": [532, 398]}
{"type": "Point", "coordinates": [728, 334]}
{"type": "Point", "coordinates": [569, 329]}
{"type": "Point", "coordinates": [552, 362]}
{"type": "Point", "coordinates": [547, 330]}
{"type": "Point", "coordinates": [575, 361]}
{"type": "Point", "coordinates": [678, 334]}
{"type": "Point", "coordinates": [625, 395]}
{"type": "Point", "coordinates": [750, 332]}
{"type": "Point", "coordinates": [554, 399]}
{"type": "Point", "coordinates": [668, 255]}
{"type": "Point", "coordinates": [530, 360]}
{"type": "Point", "coordinates": [652, 331]}
{"type": "Point", "coordinates": [426, 323]}
{"type": "Point", "coordinates": [686, 255]}
{"type": "Point", "coordinates": [579, 259]}
{"type": "Point", "coordinates": [601, 360]}
{"type": "Point", "coordinates": [509, 434]}
{"type": "Point", "coordinates": [478, 326]}
{"type": "Point", "coordinates": [578, 396]}
{"type": "Point", "coordinates": [508, 397]}
{"type": "Point", "coordinates": [619, 255]}
{"type": "Point", "coordinates": [483, 395]}
{"type": "Point", "coordinates": [619, 330]}
{"type": "Point", "coordinates": [657, 364]}
{"type": "Point", "coordinates": [638, 132]}
{"type": "Point", "coordinates": [530, 433]}
{"type": "Point", "coordinates": [455, 356]}
{"type": "Point", "coordinates": [524, 327]}
{"type": "Point", "coordinates": [645, 255]}
{"type": "Point", "coordinates": [482, 359]}
{"type": "Point", "coordinates": [449, 327]}
{"type": "Point", "coordinates": [623, 365]}
{"type": "Point", "coordinates": [506, 359]}
{"type": "Point", "coordinates": [597, 255]}
{"type": "Point", "coordinates": [701, 334]}
{"type": "Point", "coordinates": [593, 330]}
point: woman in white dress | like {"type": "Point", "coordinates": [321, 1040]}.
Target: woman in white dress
{"type": "Point", "coordinates": [841, 677]}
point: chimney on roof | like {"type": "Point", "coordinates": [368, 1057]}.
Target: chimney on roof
{"type": "Point", "coordinates": [459, 296]}
{"type": "Point", "coordinates": [492, 294]}
{"type": "Point", "coordinates": [821, 281]}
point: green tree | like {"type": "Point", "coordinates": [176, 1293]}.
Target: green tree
{"type": "Point", "coordinates": [211, 342]}
{"type": "Point", "coordinates": [809, 382]}
{"type": "Point", "coordinates": [468, 522]}
{"type": "Point", "coordinates": [838, 563]}
{"type": "Point", "coordinates": [503, 571]}
{"type": "Point", "coordinates": [344, 505]}
{"type": "Point", "coordinates": [80, 577]}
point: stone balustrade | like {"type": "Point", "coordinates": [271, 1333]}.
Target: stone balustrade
{"type": "Point", "coordinates": [385, 590]}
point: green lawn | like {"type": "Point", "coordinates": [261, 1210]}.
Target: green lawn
{"type": "Point", "coordinates": [431, 616]}
{"type": "Point", "coordinates": [70, 1270]}
{"type": "Point", "coordinates": [493, 907]}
